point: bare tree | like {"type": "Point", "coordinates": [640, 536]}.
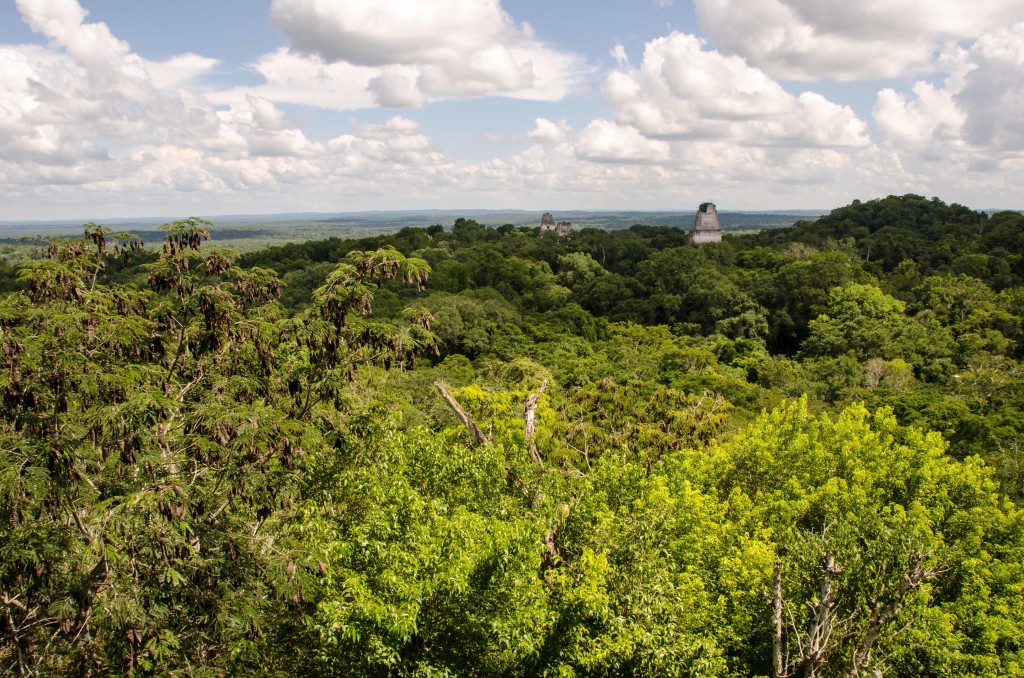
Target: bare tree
{"type": "Point", "coordinates": [825, 632]}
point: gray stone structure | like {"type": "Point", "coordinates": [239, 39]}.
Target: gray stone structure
{"type": "Point", "coordinates": [548, 225]}
{"type": "Point", "coordinates": [706, 227]}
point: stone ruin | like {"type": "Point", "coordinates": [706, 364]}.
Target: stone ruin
{"type": "Point", "coordinates": [706, 227]}
{"type": "Point", "coordinates": [548, 225]}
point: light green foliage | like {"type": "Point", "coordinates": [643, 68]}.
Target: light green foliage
{"type": "Point", "coordinates": [578, 268]}
{"type": "Point", "coordinates": [645, 423]}
{"type": "Point", "coordinates": [429, 562]}
{"type": "Point", "coordinates": [468, 324]}
{"type": "Point", "coordinates": [891, 509]}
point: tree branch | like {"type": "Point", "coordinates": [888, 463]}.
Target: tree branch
{"type": "Point", "coordinates": [914, 578]}
{"type": "Point", "coordinates": [820, 631]}
{"type": "Point", "coordinates": [466, 417]}
{"type": "Point", "coordinates": [531, 421]}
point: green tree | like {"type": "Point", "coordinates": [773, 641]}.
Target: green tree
{"type": "Point", "coordinates": [861, 320]}
{"type": "Point", "coordinates": [889, 555]}
{"type": "Point", "coordinates": [151, 446]}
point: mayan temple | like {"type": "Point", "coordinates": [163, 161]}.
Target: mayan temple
{"type": "Point", "coordinates": [706, 227]}
{"type": "Point", "coordinates": [548, 225]}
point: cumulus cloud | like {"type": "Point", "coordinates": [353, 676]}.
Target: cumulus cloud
{"type": "Point", "coordinates": [682, 91]}
{"type": "Point", "coordinates": [548, 132]}
{"type": "Point", "coordinates": [136, 131]}
{"type": "Point", "coordinates": [426, 50]}
{"type": "Point", "coordinates": [993, 90]}
{"type": "Point", "coordinates": [975, 119]}
{"type": "Point", "coordinates": [397, 142]}
{"type": "Point", "coordinates": [63, 21]}
{"type": "Point", "coordinates": [180, 70]}
{"type": "Point", "coordinates": [378, 33]}
{"type": "Point", "coordinates": [294, 78]}
{"type": "Point", "coordinates": [84, 120]}
{"type": "Point", "coordinates": [619, 163]}
{"type": "Point", "coordinates": [813, 39]}
{"type": "Point", "coordinates": [604, 141]}
{"type": "Point", "coordinates": [734, 175]}
{"type": "Point", "coordinates": [932, 115]}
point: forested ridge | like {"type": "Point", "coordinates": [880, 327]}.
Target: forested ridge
{"type": "Point", "coordinates": [473, 451]}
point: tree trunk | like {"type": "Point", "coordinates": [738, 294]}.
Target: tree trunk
{"type": "Point", "coordinates": [819, 634]}
{"type": "Point", "coordinates": [778, 668]}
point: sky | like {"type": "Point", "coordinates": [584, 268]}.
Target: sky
{"type": "Point", "coordinates": [129, 108]}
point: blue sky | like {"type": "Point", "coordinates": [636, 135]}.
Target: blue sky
{"type": "Point", "coordinates": [126, 108]}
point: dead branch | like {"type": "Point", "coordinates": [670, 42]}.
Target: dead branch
{"type": "Point", "coordinates": [466, 417]}
{"type": "Point", "coordinates": [531, 421]}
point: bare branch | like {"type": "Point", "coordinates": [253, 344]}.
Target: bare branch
{"type": "Point", "coordinates": [820, 631]}
{"type": "Point", "coordinates": [916, 576]}
{"type": "Point", "coordinates": [466, 417]}
{"type": "Point", "coordinates": [531, 421]}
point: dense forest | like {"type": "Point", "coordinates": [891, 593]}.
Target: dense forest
{"type": "Point", "coordinates": [473, 451]}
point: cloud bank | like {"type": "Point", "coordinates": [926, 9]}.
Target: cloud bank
{"type": "Point", "coordinates": [842, 40]}
{"type": "Point", "coordinates": [90, 127]}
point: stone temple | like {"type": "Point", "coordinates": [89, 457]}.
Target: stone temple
{"type": "Point", "coordinates": [706, 227]}
{"type": "Point", "coordinates": [548, 225]}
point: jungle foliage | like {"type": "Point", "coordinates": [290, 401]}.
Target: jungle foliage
{"type": "Point", "coordinates": [475, 451]}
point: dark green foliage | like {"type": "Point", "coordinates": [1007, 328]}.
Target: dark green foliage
{"type": "Point", "coordinates": [151, 444]}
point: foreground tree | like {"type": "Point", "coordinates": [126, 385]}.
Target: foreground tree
{"type": "Point", "coordinates": [890, 556]}
{"type": "Point", "coordinates": [151, 444]}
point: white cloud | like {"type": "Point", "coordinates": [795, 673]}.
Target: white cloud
{"type": "Point", "coordinates": [397, 141]}
{"type": "Point", "coordinates": [63, 21]}
{"type": "Point", "coordinates": [378, 33]}
{"type": "Point", "coordinates": [554, 176]}
{"type": "Point", "coordinates": [975, 120]}
{"type": "Point", "coordinates": [87, 122]}
{"type": "Point", "coordinates": [843, 40]}
{"type": "Point", "coordinates": [735, 176]}
{"type": "Point", "coordinates": [397, 87]}
{"type": "Point", "coordinates": [993, 91]}
{"type": "Point", "coordinates": [619, 54]}
{"type": "Point", "coordinates": [427, 50]}
{"type": "Point", "coordinates": [548, 132]}
{"type": "Point", "coordinates": [180, 70]}
{"type": "Point", "coordinates": [158, 143]}
{"type": "Point", "coordinates": [879, 171]}
{"type": "Point", "coordinates": [604, 141]}
{"type": "Point", "coordinates": [294, 78]}
{"type": "Point", "coordinates": [682, 91]}
{"type": "Point", "coordinates": [932, 116]}
{"type": "Point", "coordinates": [72, 126]}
